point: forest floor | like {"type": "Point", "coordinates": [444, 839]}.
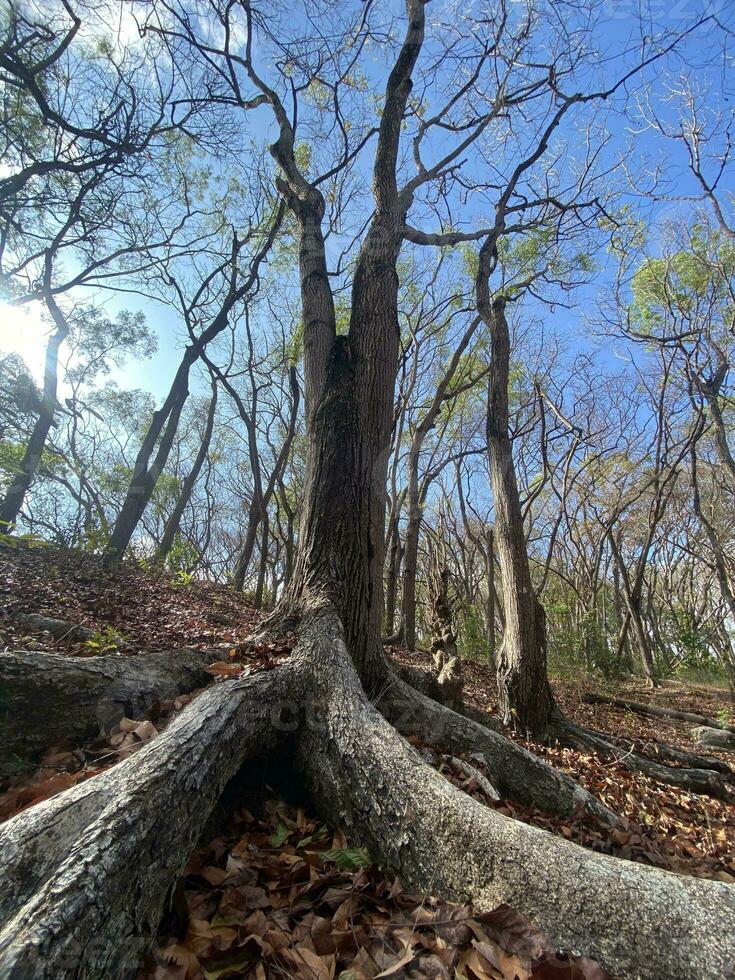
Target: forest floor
{"type": "Point", "coordinates": [271, 892]}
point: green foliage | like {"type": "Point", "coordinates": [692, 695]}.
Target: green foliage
{"type": "Point", "coordinates": [107, 640]}
{"type": "Point", "coordinates": [472, 633]}
{"type": "Point", "coordinates": [95, 539]}
{"type": "Point", "coordinates": [691, 286]}
{"type": "Point", "coordinates": [280, 835]}
{"type": "Point", "coordinates": [100, 342]}
{"type": "Point", "coordinates": [696, 654]}
{"type": "Point", "coordinates": [348, 858]}
{"type": "Point", "coordinates": [10, 540]}
{"type": "Point", "coordinates": [182, 557]}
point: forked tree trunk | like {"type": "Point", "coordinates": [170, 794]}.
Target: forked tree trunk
{"type": "Point", "coordinates": [87, 875]}
{"type": "Point", "coordinates": [340, 554]}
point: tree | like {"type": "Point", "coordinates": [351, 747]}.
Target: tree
{"type": "Point", "coordinates": [319, 702]}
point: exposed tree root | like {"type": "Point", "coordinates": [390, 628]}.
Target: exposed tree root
{"type": "Point", "coordinates": [86, 875]}
{"type": "Point", "coordinates": [694, 780]}
{"type": "Point", "coordinates": [517, 773]}
{"type": "Point", "coordinates": [46, 697]}
{"type": "Point", "coordinates": [656, 711]}
{"type": "Point", "coordinates": [638, 921]}
{"type": "Point", "coordinates": [660, 750]}
{"type": "Point", "coordinates": [60, 629]}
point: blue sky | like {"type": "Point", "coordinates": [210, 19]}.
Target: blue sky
{"type": "Point", "coordinates": [22, 330]}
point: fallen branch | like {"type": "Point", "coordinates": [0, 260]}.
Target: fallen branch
{"type": "Point", "coordinates": [705, 781]}
{"type": "Point", "coordinates": [657, 712]}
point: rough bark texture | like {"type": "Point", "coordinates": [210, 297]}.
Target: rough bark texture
{"type": "Point", "coordinates": [46, 698]}
{"type": "Point", "coordinates": [524, 695]}
{"type": "Point", "coordinates": [514, 771]}
{"type": "Point", "coordinates": [714, 738]}
{"type": "Point", "coordinates": [637, 921]}
{"type": "Point", "coordinates": [444, 643]}
{"type": "Point", "coordinates": [86, 875]}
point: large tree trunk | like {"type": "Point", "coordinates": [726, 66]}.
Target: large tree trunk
{"type": "Point", "coordinates": [524, 695]}
{"type": "Point", "coordinates": [11, 506]}
{"type": "Point", "coordinates": [46, 698]}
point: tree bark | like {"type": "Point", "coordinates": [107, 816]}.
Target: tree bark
{"type": "Point", "coordinates": [439, 841]}
{"type": "Point", "coordinates": [77, 897]}
{"type": "Point", "coordinates": [525, 699]}
{"type": "Point", "coordinates": [46, 698]}
{"type": "Point", "coordinates": [490, 607]}
{"type": "Point", "coordinates": [87, 875]}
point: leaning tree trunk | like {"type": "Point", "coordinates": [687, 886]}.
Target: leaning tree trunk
{"type": "Point", "coordinates": [174, 521]}
{"type": "Point", "coordinates": [146, 473]}
{"type": "Point", "coordinates": [524, 695]}
{"type": "Point", "coordinates": [11, 505]}
{"type": "Point", "coordinates": [46, 698]}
